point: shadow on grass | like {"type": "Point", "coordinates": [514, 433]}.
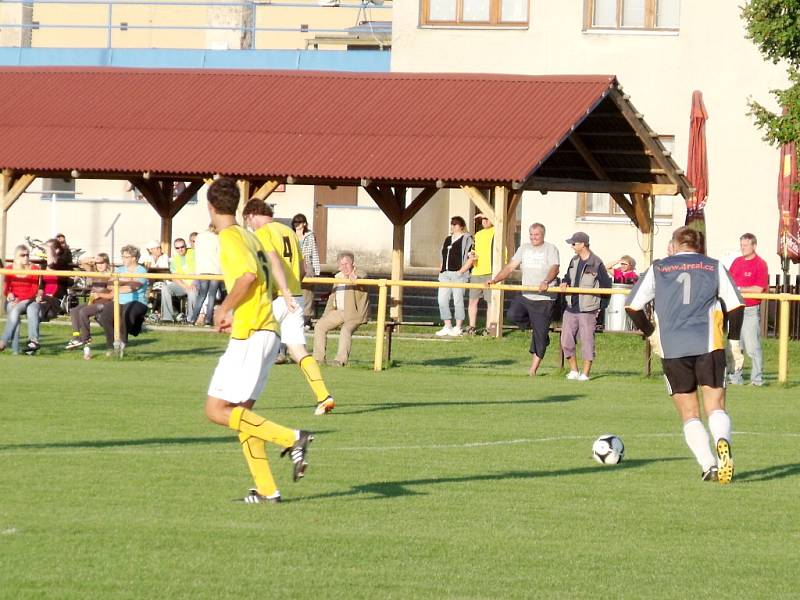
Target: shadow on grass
{"type": "Point", "coordinates": [359, 408]}
{"type": "Point", "coordinates": [769, 473]}
{"type": "Point", "coordinates": [118, 443]}
{"type": "Point", "coordinates": [382, 490]}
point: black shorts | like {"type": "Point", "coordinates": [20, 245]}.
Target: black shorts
{"type": "Point", "coordinates": [686, 373]}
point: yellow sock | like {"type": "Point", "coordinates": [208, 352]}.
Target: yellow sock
{"type": "Point", "coordinates": [255, 454]}
{"type": "Point", "coordinates": [245, 421]}
{"type": "Point", "coordinates": [310, 369]}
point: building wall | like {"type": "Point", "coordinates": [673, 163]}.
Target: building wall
{"type": "Point", "coordinates": [659, 71]}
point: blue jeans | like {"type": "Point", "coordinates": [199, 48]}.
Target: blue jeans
{"type": "Point", "coordinates": [456, 293]}
{"type": "Point", "coordinates": [751, 344]}
{"type": "Point", "coordinates": [205, 288]}
{"type": "Point", "coordinates": [14, 314]}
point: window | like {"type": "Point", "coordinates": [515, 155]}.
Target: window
{"type": "Point", "coordinates": [632, 14]}
{"type": "Point", "coordinates": [62, 189]}
{"type": "Point", "coordinates": [475, 12]}
{"type": "Point", "coordinates": [597, 205]}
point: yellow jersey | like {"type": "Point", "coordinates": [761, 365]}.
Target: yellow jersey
{"type": "Point", "coordinates": [283, 240]}
{"type": "Point", "coordinates": [241, 252]}
{"type": "Point", "coordinates": [484, 250]}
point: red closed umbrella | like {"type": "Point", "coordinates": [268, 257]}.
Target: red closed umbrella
{"type": "Point", "coordinates": [788, 202]}
{"type": "Point", "coordinates": [697, 167]}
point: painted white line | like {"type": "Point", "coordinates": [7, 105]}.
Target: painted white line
{"type": "Point", "coordinates": [217, 447]}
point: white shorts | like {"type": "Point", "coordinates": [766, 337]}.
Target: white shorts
{"type": "Point", "coordinates": [291, 323]}
{"type": "Point", "coordinates": [242, 371]}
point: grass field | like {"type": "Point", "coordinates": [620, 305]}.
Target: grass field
{"type": "Point", "coordinates": [451, 475]}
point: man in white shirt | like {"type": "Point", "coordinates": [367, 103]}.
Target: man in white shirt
{"type": "Point", "coordinates": [539, 262]}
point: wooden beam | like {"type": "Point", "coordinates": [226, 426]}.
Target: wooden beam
{"type": "Point", "coordinates": [480, 201]}
{"type": "Point", "coordinates": [600, 172]}
{"type": "Point", "coordinates": [417, 203]}
{"type": "Point", "coordinates": [265, 191]}
{"type": "Point", "coordinates": [17, 187]}
{"type": "Point", "coordinates": [495, 313]}
{"type": "Point", "coordinates": [398, 253]}
{"type": "Point", "coordinates": [642, 207]}
{"type": "Point", "coordinates": [647, 136]}
{"type": "Point", "coordinates": [556, 184]}
{"type": "Point", "coordinates": [383, 197]}
{"type": "Point", "coordinates": [184, 197]}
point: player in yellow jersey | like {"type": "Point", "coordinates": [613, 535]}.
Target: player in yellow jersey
{"type": "Point", "coordinates": [243, 369]}
{"type": "Point", "coordinates": [258, 216]}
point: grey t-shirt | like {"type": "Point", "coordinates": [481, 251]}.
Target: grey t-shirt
{"type": "Point", "coordinates": [535, 262]}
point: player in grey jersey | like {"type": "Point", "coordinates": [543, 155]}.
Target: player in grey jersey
{"type": "Point", "coordinates": [693, 293]}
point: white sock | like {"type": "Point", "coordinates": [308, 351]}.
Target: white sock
{"type": "Point", "coordinates": [698, 441]}
{"type": "Point", "coordinates": [719, 424]}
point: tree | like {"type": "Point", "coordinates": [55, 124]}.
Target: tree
{"type": "Point", "coordinates": [774, 26]}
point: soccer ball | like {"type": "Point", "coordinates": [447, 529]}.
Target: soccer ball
{"type": "Point", "coordinates": [608, 449]}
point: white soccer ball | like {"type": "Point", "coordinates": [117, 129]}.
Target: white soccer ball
{"type": "Point", "coordinates": [608, 449]}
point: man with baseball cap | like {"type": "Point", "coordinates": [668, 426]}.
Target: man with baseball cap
{"type": "Point", "coordinates": [586, 270]}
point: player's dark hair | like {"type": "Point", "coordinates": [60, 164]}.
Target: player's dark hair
{"type": "Point", "coordinates": [256, 206]}
{"type": "Point", "coordinates": [223, 195]}
{"type": "Point", "coordinates": [691, 238]}
{"type": "Point", "coordinates": [750, 237]}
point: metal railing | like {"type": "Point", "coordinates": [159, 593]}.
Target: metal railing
{"type": "Point", "coordinates": [383, 286]}
{"type": "Point", "coordinates": [254, 19]}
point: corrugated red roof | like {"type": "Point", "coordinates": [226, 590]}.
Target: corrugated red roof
{"type": "Point", "coordinates": [309, 125]}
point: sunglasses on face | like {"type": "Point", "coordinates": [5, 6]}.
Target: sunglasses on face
{"type": "Point", "coordinates": [180, 247]}
{"type": "Point", "coordinates": [24, 255]}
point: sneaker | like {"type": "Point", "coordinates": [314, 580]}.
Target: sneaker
{"type": "Point", "coordinates": [324, 407]}
{"type": "Point", "coordinates": [582, 377]}
{"type": "Point", "coordinates": [74, 343]}
{"type": "Point", "coordinates": [724, 462]}
{"type": "Point", "coordinates": [573, 375]}
{"type": "Point", "coordinates": [444, 331]}
{"type": "Point", "coordinates": [298, 452]}
{"type": "Point", "coordinates": [470, 331]}
{"type": "Point", "coordinates": [709, 475]}
{"type": "Point", "coordinates": [32, 347]}
{"type": "Point", "coordinates": [455, 332]}
{"type": "Point", "coordinates": [281, 359]}
{"type": "Point", "coordinates": [253, 497]}
{"type": "Point", "coordinates": [2, 346]}
{"type": "Point", "coordinates": [757, 383]}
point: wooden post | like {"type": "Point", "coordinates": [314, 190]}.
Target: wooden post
{"type": "Point", "coordinates": [117, 317]}
{"type": "Point", "coordinates": [166, 235]}
{"type": "Point", "coordinates": [398, 268]}
{"type": "Point", "coordinates": [783, 339]}
{"type": "Point", "coordinates": [9, 194]}
{"type": "Point", "coordinates": [377, 364]}
{"type": "Point", "coordinates": [500, 221]}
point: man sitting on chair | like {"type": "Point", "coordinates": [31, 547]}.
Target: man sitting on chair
{"type": "Point", "coordinates": [348, 307]}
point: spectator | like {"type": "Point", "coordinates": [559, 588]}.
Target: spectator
{"type": "Point", "coordinates": [539, 261]}
{"type": "Point", "coordinates": [455, 266]}
{"type": "Point", "coordinates": [482, 256]}
{"type": "Point", "coordinates": [751, 275]}
{"type": "Point", "coordinates": [283, 247]}
{"type": "Point", "coordinates": [693, 294]}
{"type": "Point", "coordinates": [21, 293]}
{"type": "Point", "coordinates": [206, 257]}
{"type": "Point", "coordinates": [62, 240]}
{"type": "Point", "coordinates": [180, 264]}
{"type": "Point", "coordinates": [55, 287]}
{"type": "Point", "coordinates": [132, 301]}
{"type": "Point", "coordinates": [308, 244]}
{"type": "Point", "coordinates": [98, 299]}
{"type": "Point", "coordinates": [190, 249]}
{"type": "Point", "coordinates": [156, 259]}
{"type": "Point", "coordinates": [623, 270]}
{"type": "Point", "coordinates": [348, 307]}
{"type": "Point", "coordinates": [585, 270]}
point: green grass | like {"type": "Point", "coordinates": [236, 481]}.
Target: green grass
{"type": "Point", "coordinates": [452, 474]}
